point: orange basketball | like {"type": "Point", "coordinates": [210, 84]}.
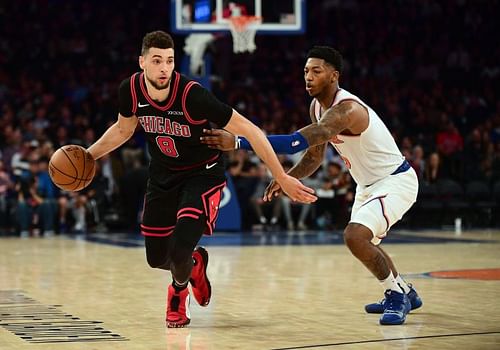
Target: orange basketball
{"type": "Point", "coordinates": [71, 168]}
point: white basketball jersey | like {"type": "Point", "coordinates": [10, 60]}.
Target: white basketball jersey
{"type": "Point", "coordinates": [373, 154]}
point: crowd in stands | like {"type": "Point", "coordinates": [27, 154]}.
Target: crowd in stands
{"type": "Point", "coordinates": [429, 69]}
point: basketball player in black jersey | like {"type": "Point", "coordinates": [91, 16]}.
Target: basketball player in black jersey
{"type": "Point", "coordinates": [186, 177]}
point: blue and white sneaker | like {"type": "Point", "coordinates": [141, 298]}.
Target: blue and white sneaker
{"type": "Point", "coordinates": [378, 308]}
{"type": "Point", "coordinates": [397, 306]}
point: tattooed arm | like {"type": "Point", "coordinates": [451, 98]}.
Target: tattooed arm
{"type": "Point", "coordinates": [312, 158]}
{"type": "Point", "coordinates": [346, 116]}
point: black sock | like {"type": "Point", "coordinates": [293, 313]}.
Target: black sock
{"type": "Point", "coordinates": [178, 287]}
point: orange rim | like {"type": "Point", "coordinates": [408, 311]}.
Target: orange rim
{"type": "Point", "coordinates": [240, 23]}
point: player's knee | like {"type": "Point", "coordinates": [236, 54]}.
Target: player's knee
{"type": "Point", "coordinates": [188, 232]}
{"type": "Point", "coordinates": [181, 256]}
{"type": "Point", "coordinates": [181, 252]}
{"type": "Point", "coordinates": [158, 262]}
{"type": "Point", "coordinates": [356, 235]}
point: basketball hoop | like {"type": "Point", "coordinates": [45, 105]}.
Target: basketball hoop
{"type": "Point", "coordinates": [243, 29]}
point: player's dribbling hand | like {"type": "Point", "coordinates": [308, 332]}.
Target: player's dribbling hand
{"type": "Point", "coordinates": [218, 139]}
{"type": "Point", "coordinates": [292, 187]}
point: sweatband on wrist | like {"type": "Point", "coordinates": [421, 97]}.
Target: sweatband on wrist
{"type": "Point", "coordinates": [282, 144]}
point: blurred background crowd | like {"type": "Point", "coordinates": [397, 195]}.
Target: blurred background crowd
{"type": "Point", "coordinates": [429, 68]}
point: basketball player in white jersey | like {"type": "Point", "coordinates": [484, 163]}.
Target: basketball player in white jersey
{"type": "Point", "coordinates": [386, 184]}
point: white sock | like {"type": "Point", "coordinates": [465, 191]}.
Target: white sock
{"type": "Point", "coordinates": [402, 284]}
{"type": "Point", "coordinates": [390, 283]}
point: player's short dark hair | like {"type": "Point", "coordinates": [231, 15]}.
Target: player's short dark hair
{"type": "Point", "coordinates": [329, 54]}
{"type": "Point", "coordinates": [158, 39]}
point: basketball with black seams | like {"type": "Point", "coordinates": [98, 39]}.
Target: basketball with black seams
{"type": "Point", "coordinates": [72, 168]}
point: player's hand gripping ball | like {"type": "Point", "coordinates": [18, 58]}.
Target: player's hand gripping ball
{"type": "Point", "coordinates": [72, 168]}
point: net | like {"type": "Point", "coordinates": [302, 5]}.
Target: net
{"type": "Point", "coordinates": [243, 29]}
{"type": "Point", "coordinates": [195, 46]}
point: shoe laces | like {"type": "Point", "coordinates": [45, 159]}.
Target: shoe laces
{"type": "Point", "coordinates": [390, 299]}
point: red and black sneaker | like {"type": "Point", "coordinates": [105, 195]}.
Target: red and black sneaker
{"type": "Point", "coordinates": [200, 284]}
{"type": "Point", "coordinates": [178, 314]}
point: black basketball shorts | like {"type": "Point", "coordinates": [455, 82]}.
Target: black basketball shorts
{"type": "Point", "coordinates": [193, 194]}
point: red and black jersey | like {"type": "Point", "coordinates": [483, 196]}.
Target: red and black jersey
{"type": "Point", "coordinates": [174, 126]}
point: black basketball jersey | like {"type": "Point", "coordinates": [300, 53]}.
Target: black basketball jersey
{"type": "Point", "coordinates": [173, 127]}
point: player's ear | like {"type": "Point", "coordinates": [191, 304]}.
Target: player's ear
{"type": "Point", "coordinates": [335, 76]}
{"type": "Point", "coordinates": [141, 62]}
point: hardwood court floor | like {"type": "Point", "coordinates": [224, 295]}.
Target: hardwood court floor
{"type": "Point", "coordinates": [265, 297]}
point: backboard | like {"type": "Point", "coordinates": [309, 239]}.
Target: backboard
{"type": "Point", "coordinates": [197, 16]}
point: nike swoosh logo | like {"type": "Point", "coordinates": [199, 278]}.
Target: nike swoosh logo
{"type": "Point", "coordinates": [144, 105]}
{"type": "Point", "coordinates": [208, 166]}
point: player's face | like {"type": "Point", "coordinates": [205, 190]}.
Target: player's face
{"type": "Point", "coordinates": [158, 65]}
{"type": "Point", "coordinates": [318, 76]}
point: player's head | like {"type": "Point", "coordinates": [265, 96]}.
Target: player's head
{"type": "Point", "coordinates": [157, 58]}
{"type": "Point", "coordinates": [322, 69]}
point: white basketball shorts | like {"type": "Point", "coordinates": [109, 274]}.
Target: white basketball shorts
{"type": "Point", "coordinates": [381, 205]}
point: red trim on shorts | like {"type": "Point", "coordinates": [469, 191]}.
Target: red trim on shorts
{"type": "Point", "coordinates": [186, 114]}
{"type": "Point", "coordinates": [134, 94]}
{"type": "Point", "coordinates": [371, 200]}
{"type": "Point", "coordinates": [381, 199]}
{"type": "Point", "coordinates": [188, 213]}
{"type": "Point", "coordinates": [196, 210]}
{"type": "Point", "coordinates": [213, 190]}
{"type": "Point", "coordinates": [197, 164]}
{"type": "Point", "coordinates": [182, 213]}
{"type": "Point", "coordinates": [157, 228]}
{"type": "Point", "coordinates": [149, 234]}
{"type": "Point", "coordinates": [193, 216]}
{"type": "Point", "coordinates": [154, 231]}
{"type": "Point", "coordinates": [170, 102]}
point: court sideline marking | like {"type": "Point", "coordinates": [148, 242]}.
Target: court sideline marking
{"type": "Point", "coordinates": [386, 340]}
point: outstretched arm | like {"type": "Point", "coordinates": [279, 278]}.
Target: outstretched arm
{"type": "Point", "coordinates": [225, 141]}
{"type": "Point", "coordinates": [239, 125]}
{"type": "Point", "coordinates": [348, 115]}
